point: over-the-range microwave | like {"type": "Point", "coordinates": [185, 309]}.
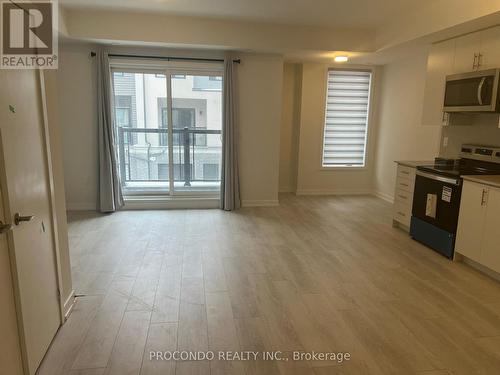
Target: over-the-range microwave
{"type": "Point", "coordinates": [472, 92]}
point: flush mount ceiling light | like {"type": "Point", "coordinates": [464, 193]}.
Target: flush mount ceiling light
{"type": "Point", "coordinates": [341, 58]}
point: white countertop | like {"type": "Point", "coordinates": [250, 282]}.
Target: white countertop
{"type": "Point", "coordinates": [487, 180]}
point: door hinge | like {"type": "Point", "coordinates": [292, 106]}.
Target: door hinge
{"type": "Point", "coordinates": [59, 296]}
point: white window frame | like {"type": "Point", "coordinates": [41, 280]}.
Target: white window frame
{"type": "Point", "coordinates": [367, 161]}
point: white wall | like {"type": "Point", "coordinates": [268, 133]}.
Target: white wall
{"type": "Point", "coordinates": [312, 178]}
{"type": "Point", "coordinates": [400, 135]}
{"type": "Point", "coordinates": [211, 33]}
{"type": "Point", "coordinates": [484, 130]}
{"type": "Point", "coordinates": [78, 122]}
{"type": "Point", "coordinates": [259, 78]}
{"type": "Point", "coordinates": [290, 126]}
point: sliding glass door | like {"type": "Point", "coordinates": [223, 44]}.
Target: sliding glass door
{"type": "Point", "coordinates": [142, 141]}
{"type": "Point", "coordinates": [168, 126]}
{"type": "Point", "coordinates": [196, 127]}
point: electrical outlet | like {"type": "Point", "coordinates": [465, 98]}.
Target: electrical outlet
{"type": "Point", "coordinates": [445, 142]}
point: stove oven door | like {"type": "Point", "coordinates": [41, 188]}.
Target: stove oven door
{"type": "Point", "coordinates": [436, 204]}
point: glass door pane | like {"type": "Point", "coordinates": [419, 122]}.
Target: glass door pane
{"type": "Point", "coordinates": [141, 120]}
{"type": "Point", "coordinates": [196, 127]}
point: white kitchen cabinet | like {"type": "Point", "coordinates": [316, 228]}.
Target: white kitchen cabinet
{"type": "Point", "coordinates": [490, 255]}
{"type": "Point", "coordinates": [471, 220]}
{"type": "Point", "coordinates": [490, 49]}
{"type": "Point", "coordinates": [475, 51]}
{"type": "Point", "coordinates": [439, 65]}
{"type": "Point", "coordinates": [403, 196]}
{"type": "Point", "coordinates": [478, 51]}
{"type": "Point", "coordinates": [479, 225]}
{"type": "Point", "coordinates": [467, 49]}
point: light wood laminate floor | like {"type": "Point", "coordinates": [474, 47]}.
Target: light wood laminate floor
{"type": "Point", "coordinates": [324, 274]}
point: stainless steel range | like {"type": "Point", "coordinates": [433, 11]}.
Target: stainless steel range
{"type": "Point", "coordinates": [438, 189]}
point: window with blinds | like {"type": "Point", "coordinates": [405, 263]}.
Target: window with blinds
{"type": "Point", "coordinates": [346, 120]}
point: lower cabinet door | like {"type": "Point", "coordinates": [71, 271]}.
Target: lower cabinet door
{"type": "Point", "coordinates": [490, 256]}
{"type": "Point", "coordinates": [471, 220]}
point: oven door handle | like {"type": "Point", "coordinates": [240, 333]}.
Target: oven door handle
{"type": "Point", "coordinates": [431, 176]}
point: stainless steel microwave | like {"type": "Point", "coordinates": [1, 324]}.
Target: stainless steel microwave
{"type": "Point", "coordinates": [472, 92]}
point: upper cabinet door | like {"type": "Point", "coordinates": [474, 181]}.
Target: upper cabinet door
{"type": "Point", "coordinates": [466, 48]}
{"type": "Point", "coordinates": [490, 255]}
{"type": "Point", "coordinates": [439, 64]}
{"type": "Point", "coordinates": [490, 48]}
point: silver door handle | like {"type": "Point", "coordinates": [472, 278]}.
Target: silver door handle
{"type": "Point", "coordinates": [474, 63]}
{"type": "Point", "coordinates": [18, 219]}
{"type": "Point", "coordinates": [4, 227]}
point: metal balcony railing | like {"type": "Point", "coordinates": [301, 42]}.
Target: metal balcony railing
{"type": "Point", "coordinates": [148, 147]}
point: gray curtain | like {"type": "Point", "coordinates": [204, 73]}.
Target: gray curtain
{"type": "Point", "coordinates": [230, 185]}
{"type": "Point", "coordinates": [110, 194]}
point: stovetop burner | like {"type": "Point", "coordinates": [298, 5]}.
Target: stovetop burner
{"type": "Point", "coordinates": [462, 167]}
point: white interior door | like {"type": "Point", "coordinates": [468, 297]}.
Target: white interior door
{"type": "Point", "coordinates": [26, 191]}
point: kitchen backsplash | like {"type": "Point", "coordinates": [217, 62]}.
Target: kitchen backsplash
{"type": "Point", "coordinates": [483, 130]}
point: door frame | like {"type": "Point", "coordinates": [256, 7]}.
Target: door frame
{"type": "Point", "coordinates": [65, 306]}
{"type": "Point", "coordinates": [11, 263]}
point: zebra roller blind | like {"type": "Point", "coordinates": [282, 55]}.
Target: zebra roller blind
{"type": "Point", "coordinates": [346, 120]}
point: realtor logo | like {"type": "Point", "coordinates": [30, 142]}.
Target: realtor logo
{"type": "Point", "coordinates": [28, 38]}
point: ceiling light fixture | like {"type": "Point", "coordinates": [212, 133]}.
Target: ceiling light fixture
{"type": "Point", "coordinates": [341, 58]}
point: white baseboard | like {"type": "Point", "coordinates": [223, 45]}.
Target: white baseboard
{"type": "Point", "coordinates": [260, 203]}
{"type": "Point", "coordinates": [68, 305]}
{"type": "Point", "coordinates": [177, 203]}
{"type": "Point", "coordinates": [286, 189]}
{"type": "Point", "coordinates": [81, 206]}
{"type": "Point", "coordinates": [384, 196]}
{"type": "Point", "coordinates": [334, 192]}
{"type": "Point", "coordinates": [481, 268]}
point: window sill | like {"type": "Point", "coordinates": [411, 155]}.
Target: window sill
{"type": "Point", "coordinates": [338, 169]}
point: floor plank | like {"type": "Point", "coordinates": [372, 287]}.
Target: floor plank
{"type": "Point", "coordinates": [128, 350]}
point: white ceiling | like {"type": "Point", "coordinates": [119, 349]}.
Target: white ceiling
{"type": "Point", "coordinates": [328, 13]}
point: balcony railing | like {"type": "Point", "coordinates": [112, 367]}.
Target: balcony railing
{"type": "Point", "coordinates": [144, 155]}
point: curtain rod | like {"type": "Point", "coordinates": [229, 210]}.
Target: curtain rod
{"type": "Point", "coordinates": [167, 58]}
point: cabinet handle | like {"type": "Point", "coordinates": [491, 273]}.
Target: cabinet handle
{"type": "Point", "coordinates": [474, 63]}
{"type": "Point", "coordinates": [402, 196]}
{"type": "Point", "coordinates": [402, 214]}
{"type": "Point", "coordinates": [484, 197]}
{"type": "Point", "coordinates": [405, 172]}
{"type": "Point", "coordinates": [479, 60]}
